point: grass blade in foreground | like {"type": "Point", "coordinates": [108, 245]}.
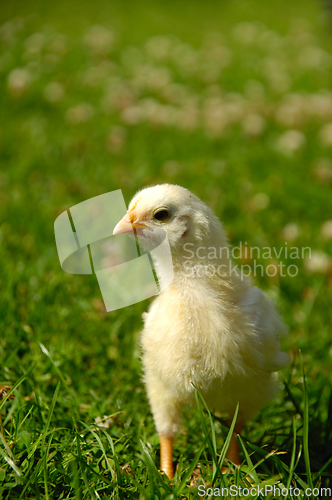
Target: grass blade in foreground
{"type": "Point", "coordinates": [212, 444]}
{"type": "Point", "coordinates": [154, 472]}
{"type": "Point", "coordinates": [306, 427]}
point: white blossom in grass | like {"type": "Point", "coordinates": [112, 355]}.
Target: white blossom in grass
{"type": "Point", "coordinates": [290, 142]}
{"type": "Point", "coordinates": [36, 126]}
{"type": "Point", "coordinates": [10, 29]}
{"type": "Point", "coordinates": [151, 78]}
{"type": "Point", "coordinates": [59, 44]}
{"type": "Point", "coordinates": [253, 124]}
{"type": "Point", "coordinates": [319, 262]}
{"type": "Point", "coordinates": [291, 231]}
{"type": "Point", "coordinates": [280, 81]}
{"type": "Point", "coordinates": [321, 105]}
{"type": "Point", "coordinates": [99, 40]}
{"type": "Point", "coordinates": [299, 316]}
{"type": "Point", "coordinates": [118, 97]}
{"type": "Point", "coordinates": [276, 75]}
{"type": "Point", "coordinates": [325, 135]}
{"type": "Point", "coordinates": [326, 230]}
{"type": "Point", "coordinates": [254, 90]}
{"type": "Point", "coordinates": [158, 78]}
{"type": "Point", "coordinates": [323, 170]}
{"type": "Point", "coordinates": [275, 71]}
{"type": "Point", "coordinates": [300, 33]}
{"type": "Point", "coordinates": [18, 81]}
{"type": "Point", "coordinates": [159, 47]}
{"type": "Point", "coordinates": [174, 93]}
{"type": "Point", "coordinates": [188, 116]}
{"type": "Point", "coordinates": [171, 168]}
{"type": "Point", "coordinates": [271, 40]}
{"type": "Point", "coordinates": [156, 113]}
{"type": "Point", "coordinates": [247, 32]}
{"type": "Point", "coordinates": [213, 91]}
{"type": "Point", "coordinates": [235, 107]}
{"type": "Point", "coordinates": [107, 421]}
{"type": "Point", "coordinates": [95, 76]}
{"type": "Point", "coordinates": [6, 61]}
{"type": "Point", "coordinates": [116, 139]}
{"type": "Point", "coordinates": [219, 112]}
{"type": "Point", "coordinates": [186, 59]}
{"type": "Point", "coordinates": [50, 61]}
{"type": "Point", "coordinates": [313, 57]}
{"type": "Point", "coordinates": [217, 168]}
{"type": "Point", "coordinates": [216, 54]}
{"type": "Point", "coordinates": [132, 115]}
{"type": "Point", "coordinates": [215, 117]}
{"type": "Point", "coordinates": [81, 113]}
{"type": "Point", "coordinates": [208, 72]}
{"type": "Point", "coordinates": [54, 92]}
{"type": "Point", "coordinates": [293, 110]}
{"type": "Point", "coordinates": [261, 201]}
{"type": "Point", "coordinates": [34, 44]}
{"type": "Point", "coordinates": [132, 57]}
{"type": "Point", "coordinates": [112, 254]}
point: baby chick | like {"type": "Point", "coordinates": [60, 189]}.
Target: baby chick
{"type": "Point", "coordinates": [209, 328]}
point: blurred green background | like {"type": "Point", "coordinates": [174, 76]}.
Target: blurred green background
{"type": "Point", "coordinates": [231, 99]}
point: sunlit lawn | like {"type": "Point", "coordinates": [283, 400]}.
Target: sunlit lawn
{"type": "Point", "coordinates": [95, 98]}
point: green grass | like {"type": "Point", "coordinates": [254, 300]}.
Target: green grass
{"type": "Point", "coordinates": [74, 367]}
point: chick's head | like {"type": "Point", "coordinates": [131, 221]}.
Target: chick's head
{"type": "Point", "coordinates": [173, 211]}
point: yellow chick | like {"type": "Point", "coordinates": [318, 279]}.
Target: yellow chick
{"type": "Point", "coordinates": [209, 328]}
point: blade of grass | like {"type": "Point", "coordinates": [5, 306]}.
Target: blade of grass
{"type": "Point", "coordinates": [252, 470]}
{"type": "Point", "coordinates": [317, 474]}
{"type": "Point", "coordinates": [50, 413]}
{"type": "Point", "coordinates": [16, 385]}
{"type": "Point", "coordinates": [101, 447]}
{"type": "Point", "coordinates": [179, 488]}
{"type": "Point", "coordinates": [292, 398]}
{"type": "Point", "coordinates": [153, 469]}
{"type": "Point", "coordinates": [306, 427]}
{"type": "Point", "coordinates": [23, 420]}
{"type": "Point", "coordinates": [46, 453]}
{"type": "Point", "coordinates": [70, 390]}
{"type": "Point", "coordinates": [80, 463]}
{"type": "Point", "coordinates": [211, 442]}
{"type": "Point", "coordinates": [10, 462]}
{"type": "Point", "coordinates": [291, 467]}
{"type": "Point", "coordinates": [77, 485]}
{"type": "Point", "coordinates": [35, 469]}
{"type": "Point", "coordinates": [139, 487]}
{"type": "Point", "coordinates": [115, 458]}
{"type": "Point", "coordinates": [34, 448]}
{"type": "Point", "coordinates": [328, 425]}
{"type": "Point", "coordinates": [299, 454]}
{"type": "Point", "coordinates": [7, 448]}
{"type": "Point", "coordinates": [227, 442]}
{"type": "Point", "coordinates": [214, 441]}
{"type": "Point", "coordinates": [281, 465]}
{"type": "Point", "coordinates": [278, 461]}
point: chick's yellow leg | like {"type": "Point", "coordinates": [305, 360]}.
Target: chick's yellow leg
{"type": "Point", "coordinates": [233, 452]}
{"type": "Point", "coordinates": [166, 455]}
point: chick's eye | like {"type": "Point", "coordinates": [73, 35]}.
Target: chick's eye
{"type": "Point", "coordinates": [162, 215]}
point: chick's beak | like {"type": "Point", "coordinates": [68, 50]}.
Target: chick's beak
{"type": "Point", "coordinates": [126, 226]}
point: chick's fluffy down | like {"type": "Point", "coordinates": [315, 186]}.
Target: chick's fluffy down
{"type": "Point", "coordinates": [221, 335]}
{"type": "Point", "coordinates": [193, 338]}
